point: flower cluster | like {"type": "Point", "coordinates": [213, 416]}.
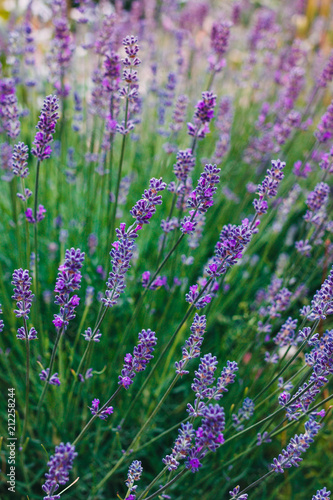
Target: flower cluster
{"type": "Point", "coordinates": [324, 130]}
{"type": "Point", "coordinates": [291, 456]}
{"type": "Point", "coordinates": [68, 280]}
{"type": "Point", "coordinates": [322, 302]}
{"type": "Point", "coordinates": [121, 255]}
{"type": "Point", "coordinates": [22, 293]}
{"type": "Point", "coordinates": [268, 187]}
{"type": "Point", "coordinates": [192, 345]}
{"type": "Point", "coordinates": [21, 334]}
{"type": "Point", "coordinates": [130, 76]}
{"type": "Point", "coordinates": [185, 164]}
{"type": "Point", "coordinates": [53, 380]}
{"type": "Point", "coordinates": [322, 494]}
{"type": "Point", "coordinates": [145, 208]}
{"type": "Point", "coordinates": [208, 437]}
{"type": "Point", "coordinates": [88, 335]}
{"type": "Point", "coordinates": [244, 413]}
{"type": "Point", "coordinates": [19, 160]}
{"type": "Point", "coordinates": [40, 215]}
{"type": "Point", "coordinates": [59, 466]}
{"type": "Point", "coordinates": [46, 127]}
{"type": "Point", "coordinates": [101, 413]}
{"type": "Point", "coordinates": [202, 197]}
{"type": "Point", "coordinates": [286, 335]}
{"type": "Point", "coordinates": [8, 108]}
{"type": "Point", "coordinates": [133, 475]}
{"type": "Point", "coordinates": [235, 494]}
{"type": "Point", "coordinates": [137, 362]}
{"type": "Point", "coordinates": [203, 115]}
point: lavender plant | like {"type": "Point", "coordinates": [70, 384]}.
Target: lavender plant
{"type": "Point", "coordinates": [185, 224]}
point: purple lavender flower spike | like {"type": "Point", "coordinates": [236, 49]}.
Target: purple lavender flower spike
{"type": "Point", "coordinates": [244, 413]}
{"type": "Point", "coordinates": [327, 74]}
{"type": "Point", "coordinates": [19, 160]}
{"type": "Point", "coordinates": [291, 456]}
{"type": "Point", "coordinates": [286, 335]}
{"type": "Point", "coordinates": [322, 302]}
{"type": "Point", "coordinates": [103, 415]}
{"type": "Point", "coordinates": [22, 293]}
{"type": "Point", "coordinates": [203, 115]}
{"type": "Point", "coordinates": [8, 108]}
{"type": "Point", "coordinates": [322, 494]}
{"type": "Point", "coordinates": [235, 494]}
{"type": "Point", "coordinates": [133, 475]}
{"type": "Point", "coordinates": [59, 466]}
{"type": "Point", "coordinates": [88, 335]}
{"type": "Point", "coordinates": [46, 127]}
{"type": "Point", "coordinates": [324, 130]}
{"type": "Point", "coordinates": [192, 346]}
{"type": "Point", "coordinates": [2, 325]}
{"type": "Point", "coordinates": [268, 188]}
{"type": "Point", "coordinates": [68, 280]}
{"type": "Point", "coordinates": [137, 362]}
{"type": "Point", "coordinates": [202, 197]}
{"type": "Point", "coordinates": [54, 379]}
{"type": "Point", "coordinates": [32, 335]}
{"type": "Point", "coordinates": [145, 208]}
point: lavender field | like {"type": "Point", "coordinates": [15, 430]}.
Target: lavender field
{"type": "Point", "coordinates": [166, 253]}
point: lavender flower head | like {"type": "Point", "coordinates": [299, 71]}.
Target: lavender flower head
{"type": "Point", "coordinates": [291, 456]}
{"type": "Point", "coordinates": [204, 113]}
{"type": "Point", "coordinates": [268, 188]}
{"type": "Point", "coordinates": [102, 414]}
{"type": "Point", "coordinates": [46, 128]}
{"type": "Point", "coordinates": [138, 361]}
{"type": "Point", "coordinates": [322, 494]}
{"type": "Point", "coordinates": [19, 160]}
{"type": "Point", "coordinates": [22, 293]}
{"type": "Point", "coordinates": [53, 380]}
{"type": "Point", "coordinates": [68, 280]}
{"type": "Point", "coordinates": [133, 475]}
{"type": "Point", "coordinates": [59, 466]}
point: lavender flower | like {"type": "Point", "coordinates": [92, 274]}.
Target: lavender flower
{"type": "Point", "coordinates": [133, 475]}
{"type": "Point", "coordinates": [46, 127]}
{"type": "Point", "coordinates": [137, 362]}
{"type": "Point", "coordinates": [203, 115]}
{"type": "Point", "coordinates": [291, 456]}
{"type": "Point", "coordinates": [68, 280]}
{"type": "Point", "coordinates": [145, 208]}
{"type": "Point", "coordinates": [202, 197]}
{"type": "Point", "coordinates": [53, 380]}
{"type": "Point", "coordinates": [102, 414]}
{"type": "Point", "coordinates": [235, 494]}
{"type": "Point", "coordinates": [192, 346]}
{"type": "Point", "coordinates": [40, 214]}
{"type": "Point", "coordinates": [322, 302]}
{"type": "Point", "coordinates": [22, 293]}
{"type": "Point", "coordinates": [327, 73]}
{"type": "Point", "coordinates": [59, 466]}
{"type": "Point", "coordinates": [244, 413]}
{"type": "Point", "coordinates": [268, 188]}
{"type": "Point", "coordinates": [8, 108]}
{"type": "Point", "coordinates": [219, 37]}
{"type": "Point", "coordinates": [19, 160]}
{"type": "Point", "coordinates": [324, 130]}
{"type": "Point", "coordinates": [2, 325]}
{"type": "Point", "coordinates": [286, 334]}
{"type": "Point", "coordinates": [322, 494]}
{"type": "Point", "coordinates": [21, 335]}
{"type": "Point", "coordinates": [88, 335]}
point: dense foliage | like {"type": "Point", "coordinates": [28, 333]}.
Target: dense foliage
{"type": "Point", "coordinates": [166, 279]}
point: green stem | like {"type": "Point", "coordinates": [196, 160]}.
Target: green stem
{"type": "Point", "coordinates": [27, 380]}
